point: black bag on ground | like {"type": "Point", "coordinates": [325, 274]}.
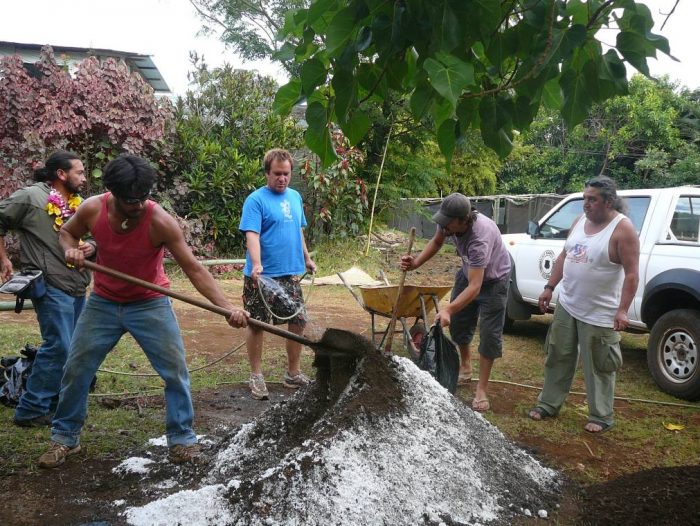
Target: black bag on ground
{"type": "Point", "coordinates": [438, 356]}
{"type": "Point", "coordinates": [14, 372]}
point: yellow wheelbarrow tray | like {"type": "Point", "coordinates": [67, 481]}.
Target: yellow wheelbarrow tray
{"type": "Point", "coordinates": [380, 300]}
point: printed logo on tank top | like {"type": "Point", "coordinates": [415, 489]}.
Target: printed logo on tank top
{"type": "Point", "coordinates": [286, 210]}
{"type": "Point", "coordinates": [578, 254]}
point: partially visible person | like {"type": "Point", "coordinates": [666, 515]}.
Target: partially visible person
{"type": "Point", "coordinates": [480, 291]}
{"type": "Point", "coordinates": [273, 222]}
{"type": "Point", "coordinates": [132, 232]}
{"type": "Point", "coordinates": [36, 213]}
{"type": "Point", "coordinates": [599, 272]}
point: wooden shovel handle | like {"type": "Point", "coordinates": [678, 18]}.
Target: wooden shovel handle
{"type": "Point", "coordinates": [193, 301]}
{"type": "Point", "coordinates": [395, 311]}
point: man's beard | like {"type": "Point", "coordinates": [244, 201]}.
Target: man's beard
{"type": "Point", "coordinates": [73, 189]}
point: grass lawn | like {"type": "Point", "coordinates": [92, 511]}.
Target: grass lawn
{"type": "Point", "coordinates": [641, 438]}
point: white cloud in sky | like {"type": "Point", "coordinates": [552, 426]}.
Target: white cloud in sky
{"type": "Point", "coordinates": [166, 29]}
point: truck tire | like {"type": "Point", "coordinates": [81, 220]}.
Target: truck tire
{"type": "Point", "coordinates": [673, 354]}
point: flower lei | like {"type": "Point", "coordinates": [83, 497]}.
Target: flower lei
{"type": "Point", "coordinates": [56, 206]}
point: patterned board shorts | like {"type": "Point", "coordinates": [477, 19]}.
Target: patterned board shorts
{"type": "Point", "coordinates": [281, 305]}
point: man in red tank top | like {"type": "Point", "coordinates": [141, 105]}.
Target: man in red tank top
{"type": "Point", "coordinates": [132, 233]}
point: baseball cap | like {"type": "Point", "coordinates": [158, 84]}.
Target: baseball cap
{"type": "Point", "coordinates": [453, 206]}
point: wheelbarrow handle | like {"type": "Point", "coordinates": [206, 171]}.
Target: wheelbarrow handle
{"type": "Point", "coordinates": [349, 287]}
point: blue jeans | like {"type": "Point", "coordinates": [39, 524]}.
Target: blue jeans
{"type": "Point", "coordinates": [153, 325]}
{"type": "Point", "coordinates": [57, 313]}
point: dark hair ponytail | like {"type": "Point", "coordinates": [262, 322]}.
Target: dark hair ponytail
{"type": "Point", "coordinates": [41, 175]}
{"type": "Point", "coordinates": [59, 160]}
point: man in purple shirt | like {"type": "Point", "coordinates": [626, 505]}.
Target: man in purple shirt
{"type": "Point", "coordinates": [480, 291]}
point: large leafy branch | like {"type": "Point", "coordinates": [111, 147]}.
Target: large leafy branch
{"type": "Point", "coordinates": [487, 65]}
{"type": "Point", "coordinates": [250, 27]}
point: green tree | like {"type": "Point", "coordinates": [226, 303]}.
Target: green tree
{"type": "Point", "coordinates": [480, 64]}
{"type": "Point", "coordinates": [412, 166]}
{"type": "Point", "coordinates": [644, 139]}
{"type": "Point", "coordinates": [551, 158]}
{"type": "Point", "coordinates": [689, 118]}
{"type": "Point", "coordinates": [101, 110]}
{"type": "Point", "coordinates": [224, 127]}
{"type": "Point", "coordinates": [335, 197]}
{"type": "Point", "coordinates": [250, 28]}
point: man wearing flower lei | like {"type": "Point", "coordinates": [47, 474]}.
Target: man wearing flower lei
{"type": "Point", "coordinates": [36, 213]}
{"type": "Point", "coordinates": [132, 232]}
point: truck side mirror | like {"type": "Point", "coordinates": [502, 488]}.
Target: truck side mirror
{"type": "Point", "coordinates": [533, 229]}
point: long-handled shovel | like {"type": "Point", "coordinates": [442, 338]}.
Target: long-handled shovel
{"type": "Point", "coordinates": [395, 310]}
{"type": "Point", "coordinates": [333, 341]}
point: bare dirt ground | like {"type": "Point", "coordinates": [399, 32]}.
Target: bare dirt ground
{"type": "Point", "coordinates": [84, 492]}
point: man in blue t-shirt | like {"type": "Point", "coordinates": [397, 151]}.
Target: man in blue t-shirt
{"type": "Point", "coordinates": [273, 221]}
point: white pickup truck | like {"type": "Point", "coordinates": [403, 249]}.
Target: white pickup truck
{"type": "Point", "coordinates": [667, 302]}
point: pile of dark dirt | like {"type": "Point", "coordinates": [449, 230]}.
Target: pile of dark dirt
{"type": "Point", "coordinates": [389, 446]}
{"type": "Point", "coordinates": [660, 496]}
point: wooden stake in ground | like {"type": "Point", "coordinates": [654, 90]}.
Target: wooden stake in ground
{"type": "Point", "coordinates": [395, 311]}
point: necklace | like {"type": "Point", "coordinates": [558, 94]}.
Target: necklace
{"type": "Point", "coordinates": [57, 206]}
{"type": "Point", "coordinates": [125, 224]}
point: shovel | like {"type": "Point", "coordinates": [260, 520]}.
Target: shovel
{"type": "Point", "coordinates": [395, 311]}
{"type": "Point", "coordinates": [334, 342]}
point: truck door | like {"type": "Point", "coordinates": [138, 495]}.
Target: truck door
{"type": "Point", "coordinates": [542, 250]}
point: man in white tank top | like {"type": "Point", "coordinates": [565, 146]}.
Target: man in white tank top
{"type": "Point", "coordinates": [599, 272]}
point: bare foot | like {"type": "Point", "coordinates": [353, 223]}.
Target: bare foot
{"type": "Point", "coordinates": [481, 404]}
{"type": "Point", "coordinates": [481, 400]}
{"type": "Point", "coordinates": [464, 376]}
{"type": "Point", "coordinates": [597, 427]}
{"type": "Point", "coordinates": [537, 414]}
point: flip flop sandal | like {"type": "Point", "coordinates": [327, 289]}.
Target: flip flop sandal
{"type": "Point", "coordinates": [540, 411]}
{"type": "Point", "coordinates": [481, 406]}
{"type": "Point", "coordinates": [464, 378]}
{"type": "Point", "coordinates": [603, 427]}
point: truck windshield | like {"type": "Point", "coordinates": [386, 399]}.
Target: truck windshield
{"type": "Point", "coordinates": [557, 226]}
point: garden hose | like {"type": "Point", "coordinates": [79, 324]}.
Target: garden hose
{"type": "Point", "coordinates": [136, 394]}
{"type": "Point", "coordinates": [304, 302]}
{"type": "Point", "coordinates": [623, 398]}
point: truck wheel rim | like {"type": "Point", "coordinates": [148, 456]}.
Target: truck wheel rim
{"type": "Point", "coordinates": [679, 355]}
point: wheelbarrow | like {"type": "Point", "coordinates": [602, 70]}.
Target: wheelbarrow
{"type": "Point", "coordinates": [416, 301]}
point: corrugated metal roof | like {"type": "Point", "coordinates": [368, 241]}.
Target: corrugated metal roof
{"type": "Point", "coordinates": [143, 64]}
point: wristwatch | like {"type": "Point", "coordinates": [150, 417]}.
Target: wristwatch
{"type": "Point", "coordinates": [548, 286]}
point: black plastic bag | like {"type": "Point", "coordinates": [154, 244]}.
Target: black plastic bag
{"type": "Point", "coordinates": [438, 356]}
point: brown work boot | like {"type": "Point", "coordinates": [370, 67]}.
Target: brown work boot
{"type": "Point", "coordinates": [56, 455]}
{"type": "Point", "coordinates": [181, 454]}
